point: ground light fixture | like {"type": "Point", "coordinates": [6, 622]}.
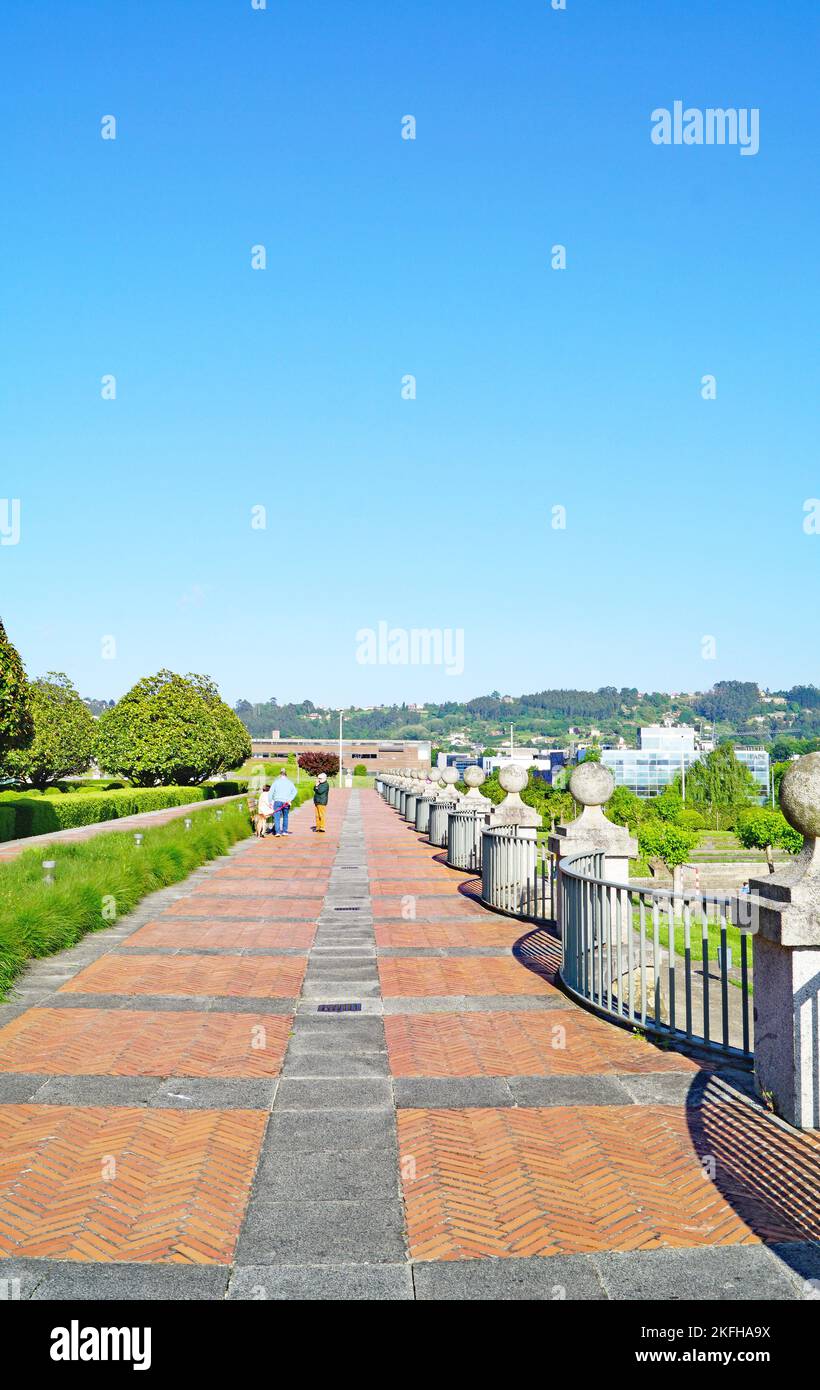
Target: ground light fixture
{"type": "Point", "coordinates": [188, 822]}
{"type": "Point", "coordinates": [138, 838]}
{"type": "Point", "coordinates": [48, 870]}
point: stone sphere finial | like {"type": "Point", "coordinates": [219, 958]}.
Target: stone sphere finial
{"type": "Point", "coordinates": [449, 775]}
{"type": "Point", "coordinates": [474, 776]}
{"type": "Point", "coordinates": [592, 784]}
{"type": "Point", "coordinates": [800, 795]}
{"type": "Point", "coordinates": [513, 778]}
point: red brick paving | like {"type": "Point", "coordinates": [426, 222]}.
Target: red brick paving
{"type": "Point", "coordinates": [479, 975]}
{"type": "Point", "coordinates": [495, 931]}
{"type": "Point", "coordinates": [261, 976]}
{"type": "Point", "coordinates": [510, 1182]}
{"type": "Point", "coordinates": [239, 905]}
{"type": "Point", "coordinates": [110, 1042]}
{"type": "Point", "coordinates": [238, 935]}
{"type": "Point", "coordinates": [558, 1042]}
{"type": "Point", "coordinates": [119, 1183]}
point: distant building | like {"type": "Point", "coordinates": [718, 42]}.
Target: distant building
{"type": "Point", "coordinates": [665, 753]}
{"type": "Point", "coordinates": [377, 754]}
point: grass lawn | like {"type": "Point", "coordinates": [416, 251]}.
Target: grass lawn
{"type": "Point", "coordinates": [100, 880]}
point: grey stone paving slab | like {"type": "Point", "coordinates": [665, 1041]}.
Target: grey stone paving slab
{"type": "Point", "coordinates": [707, 1273]}
{"type": "Point", "coordinates": [17, 1089]}
{"type": "Point", "coordinates": [343, 1283]}
{"type": "Point", "coordinates": [331, 1062]}
{"type": "Point", "coordinates": [346, 1032]}
{"type": "Point", "coordinates": [323, 970]}
{"type": "Point", "coordinates": [196, 1003]}
{"type": "Point", "coordinates": [801, 1261]}
{"type": "Point", "coordinates": [72, 1279]}
{"type": "Point", "coordinates": [316, 1131]}
{"type": "Point", "coordinates": [556, 1278]}
{"type": "Point", "coordinates": [334, 1094]}
{"type": "Point", "coordinates": [568, 1090]}
{"type": "Point", "coordinates": [215, 1093]}
{"type": "Point", "coordinates": [328, 1176]}
{"type": "Point", "coordinates": [341, 989]}
{"type": "Point", "coordinates": [96, 1090]}
{"type": "Point", "coordinates": [326, 1232]}
{"type": "Point", "coordinates": [450, 1092]}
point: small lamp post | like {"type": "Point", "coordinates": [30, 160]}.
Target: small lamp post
{"type": "Point", "coordinates": [138, 838]}
{"type": "Point", "coordinates": [48, 870]}
{"type": "Point", "coordinates": [188, 822]}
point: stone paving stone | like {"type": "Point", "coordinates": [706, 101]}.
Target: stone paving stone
{"type": "Point", "coordinates": [710, 1274]}
{"type": "Point", "coordinates": [568, 1090]}
{"type": "Point", "coordinates": [331, 1062]}
{"type": "Point", "coordinates": [323, 1232]}
{"type": "Point", "coordinates": [334, 1094]}
{"type": "Point", "coordinates": [312, 1283]}
{"type": "Point", "coordinates": [85, 1281]}
{"type": "Point", "coordinates": [328, 1176]}
{"type": "Point", "coordinates": [317, 1131]}
{"type": "Point", "coordinates": [214, 1093]}
{"type": "Point", "coordinates": [452, 1092]}
{"type": "Point", "coordinates": [95, 1090]}
{"type": "Point", "coordinates": [554, 1279]}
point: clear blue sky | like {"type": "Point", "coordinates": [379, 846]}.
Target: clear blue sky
{"type": "Point", "coordinates": [282, 388]}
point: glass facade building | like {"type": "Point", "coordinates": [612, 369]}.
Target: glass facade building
{"type": "Point", "coordinates": [646, 771]}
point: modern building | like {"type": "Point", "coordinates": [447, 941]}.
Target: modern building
{"type": "Point", "coordinates": [378, 755]}
{"type": "Point", "coordinates": [665, 753]}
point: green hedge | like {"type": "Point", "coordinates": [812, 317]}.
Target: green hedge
{"type": "Point", "coordinates": [33, 814]}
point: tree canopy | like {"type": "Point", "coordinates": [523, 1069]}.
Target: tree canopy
{"type": "Point", "coordinates": [16, 718]}
{"type": "Point", "coordinates": [173, 730]}
{"type": "Point", "coordinates": [64, 733]}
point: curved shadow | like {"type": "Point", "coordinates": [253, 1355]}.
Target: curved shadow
{"type": "Point", "coordinates": [768, 1172]}
{"type": "Point", "coordinates": [539, 952]}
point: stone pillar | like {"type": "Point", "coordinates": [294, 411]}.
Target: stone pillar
{"type": "Point", "coordinates": [591, 833]}
{"type": "Point", "coordinates": [784, 913]}
{"type": "Point", "coordinates": [512, 811]}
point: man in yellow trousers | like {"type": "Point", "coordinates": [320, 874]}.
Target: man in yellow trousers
{"type": "Point", "coordinates": [321, 793]}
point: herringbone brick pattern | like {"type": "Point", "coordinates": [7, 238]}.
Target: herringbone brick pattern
{"type": "Point", "coordinates": [559, 1042]}
{"type": "Point", "coordinates": [435, 907]}
{"type": "Point", "coordinates": [120, 1183]}
{"type": "Point", "coordinates": [239, 936]}
{"type": "Point", "coordinates": [480, 975]}
{"type": "Point", "coordinates": [260, 976]}
{"type": "Point", "coordinates": [111, 1042]}
{"type": "Point", "coordinates": [544, 1182]}
{"type": "Point", "coordinates": [496, 931]}
{"type": "Point", "coordinates": [239, 905]}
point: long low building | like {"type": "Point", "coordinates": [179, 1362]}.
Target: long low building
{"type": "Point", "coordinates": [377, 755]}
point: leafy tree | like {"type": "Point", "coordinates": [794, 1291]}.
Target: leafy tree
{"type": "Point", "coordinates": [661, 842]}
{"type": "Point", "coordinates": [314, 763]}
{"type": "Point", "coordinates": [668, 805]}
{"type": "Point", "coordinates": [169, 729]}
{"type": "Point", "coordinates": [720, 786]}
{"type": "Point", "coordinates": [64, 732]}
{"type": "Point", "coordinates": [592, 754]}
{"type": "Point", "coordinates": [625, 808]}
{"type": "Point", "coordinates": [763, 827]}
{"type": "Point", "coordinates": [16, 719]}
{"type": "Point", "coordinates": [235, 741]}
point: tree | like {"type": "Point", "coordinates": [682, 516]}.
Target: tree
{"type": "Point", "coordinates": [592, 754]}
{"type": "Point", "coordinates": [762, 827]}
{"type": "Point", "coordinates": [661, 842]}
{"type": "Point", "coordinates": [16, 719]}
{"type": "Point", "coordinates": [64, 732]}
{"type": "Point", "coordinates": [314, 763]}
{"type": "Point", "coordinates": [235, 740]}
{"type": "Point", "coordinates": [167, 729]}
{"type": "Point", "coordinates": [625, 808]}
{"type": "Point", "coordinates": [719, 785]}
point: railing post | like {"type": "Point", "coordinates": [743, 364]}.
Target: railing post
{"type": "Point", "coordinates": [783, 911]}
{"type": "Point", "coordinates": [592, 785]}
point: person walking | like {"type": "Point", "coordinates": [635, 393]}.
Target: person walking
{"type": "Point", "coordinates": [321, 792]}
{"type": "Point", "coordinates": [264, 811]}
{"type": "Point", "coordinates": [283, 793]}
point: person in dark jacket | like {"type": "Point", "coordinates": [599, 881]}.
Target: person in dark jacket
{"type": "Point", "coordinates": [321, 792]}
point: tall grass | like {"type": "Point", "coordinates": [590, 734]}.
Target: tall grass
{"type": "Point", "coordinates": [99, 881]}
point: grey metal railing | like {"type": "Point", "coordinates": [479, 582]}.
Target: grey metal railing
{"type": "Point", "coordinates": [516, 874]}
{"type": "Point", "coordinates": [437, 828]}
{"type": "Point", "coordinates": [675, 964]}
{"type": "Point", "coordinates": [464, 831]}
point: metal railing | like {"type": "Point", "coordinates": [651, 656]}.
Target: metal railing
{"type": "Point", "coordinates": [409, 811]}
{"type": "Point", "coordinates": [423, 804]}
{"type": "Point", "coordinates": [674, 964]}
{"type": "Point", "coordinates": [516, 874]}
{"type": "Point", "coordinates": [437, 828]}
{"type": "Point", "coordinates": [464, 831]}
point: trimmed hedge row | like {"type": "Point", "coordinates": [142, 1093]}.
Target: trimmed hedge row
{"type": "Point", "coordinates": [30, 814]}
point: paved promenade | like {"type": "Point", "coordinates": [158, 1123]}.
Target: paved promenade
{"type": "Point", "coordinates": [182, 1116]}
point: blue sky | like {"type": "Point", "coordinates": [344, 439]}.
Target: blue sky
{"type": "Point", "coordinates": [535, 387]}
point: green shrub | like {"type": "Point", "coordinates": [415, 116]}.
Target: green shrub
{"type": "Point", "coordinates": [360, 770]}
{"type": "Point", "coordinates": [690, 819]}
{"type": "Point", "coordinates": [37, 919]}
{"type": "Point", "coordinates": [7, 822]}
{"type": "Point", "coordinates": [40, 815]}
